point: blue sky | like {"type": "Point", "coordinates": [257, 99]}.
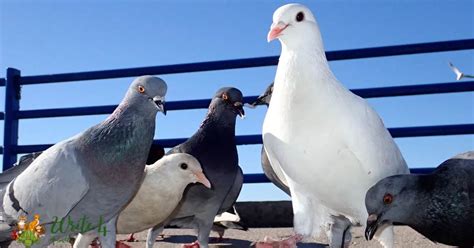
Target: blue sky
{"type": "Point", "coordinates": [43, 37]}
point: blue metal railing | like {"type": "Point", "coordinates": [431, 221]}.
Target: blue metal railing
{"type": "Point", "coordinates": [13, 114]}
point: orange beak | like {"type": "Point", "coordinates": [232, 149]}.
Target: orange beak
{"type": "Point", "coordinates": [201, 178]}
{"type": "Point", "coordinates": [275, 30]}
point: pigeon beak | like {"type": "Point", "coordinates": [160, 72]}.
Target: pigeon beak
{"type": "Point", "coordinates": [160, 104]}
{"type": "Point", "coordinates": [239, 107]}
{"type": "Point", "coordinates": [372, 225]}
{"type": "Point", "coordinates": [259, 101]}
{"type": "Point", "coordinates": [275, 30]}
{"type": "Point", "coordinates": [201, 178]}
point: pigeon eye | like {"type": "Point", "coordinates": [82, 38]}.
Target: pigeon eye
{"type": "Point", "coordinates": [300, 16]}
{"type": "Point", "coordinates": [141, 89]}
{"type": "Point", "coordinates": [225, 97]}
{"type": "Point", "coordinates": [183, 166]}
{"type": "Point", "coordinates": [387, 199]}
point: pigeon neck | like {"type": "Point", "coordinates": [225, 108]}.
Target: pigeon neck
{"type": "Point", "coordinates": [304, 57]}
{"type": "Point", "coordinates": [124, 137]}
{"type": "Point", "coordinates": [425, 201]}
{"type": "Point", "coordinates": [305, 75]}
{"type": "Point", "coordinates": [219, 121]}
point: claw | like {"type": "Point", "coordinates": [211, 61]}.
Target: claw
{"type": "Point", "coordinates": [120, 244]}
{"type": "Point", "coordinates": [192, 245]}
{"type": "Point", "coordinates": [130, 238]}
{"type": "Point", "coordinates": [95, 244]}
{"type": "Point", "coordinates": [289, 242]}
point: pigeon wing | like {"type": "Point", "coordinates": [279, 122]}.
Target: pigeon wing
{"type": "Point", "coordinates": [458, 73]}
{"type": "Point", "coordinates": [233, 192]}
{"type": "Point", "coordinates": [272, 175]}
{"type": "Point", "coordinates": [51, 186]}
{"type": "Point", "coordinates": [10, 174]}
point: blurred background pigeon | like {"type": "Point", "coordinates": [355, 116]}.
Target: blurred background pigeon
{"type": "Point", "coordinates": [459, 74]}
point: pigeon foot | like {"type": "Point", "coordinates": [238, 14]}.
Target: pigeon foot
{"type": "Point", "coordinates": [120, 244]}
{"type": "Point", "coordinates": [130, 238]}
{"type": "Point", "coordinates": [95, 244]}
{"type": "Point", "coordinates": [289, 242]}
{"type": "Point", "coordinates": [192, 245]}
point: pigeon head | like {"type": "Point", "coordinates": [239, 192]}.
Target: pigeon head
{"type": "Point", "coordinates": [227, 101]}
{"type": "Point", "coordinates": [149, 91]}
{"type": "Point", "coordinates": [295, 26]}
{"type": "Point", "coordinates": [264, 99]}
{"type": "Point", "coordinates": [389, 201]}
{"type": "Point", "coordinates": [186, 167]}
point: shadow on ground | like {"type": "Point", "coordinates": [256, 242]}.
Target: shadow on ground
{"type": "Point", "coordinates": [226, 242]}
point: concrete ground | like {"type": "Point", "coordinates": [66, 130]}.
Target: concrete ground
{"type": "Point", "coordinates": [405, 238]}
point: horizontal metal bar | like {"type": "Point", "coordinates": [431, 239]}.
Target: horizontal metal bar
{"type": "Point", "coordinates": [2, 82]}
{"type": "Point", "coordinates": [429, 47]}
{"type": "Point", "coordinates": [2, 116]}
{"type": "Point", "coordinates": [420, 89]}
{"type": "Point", "coordinates": [261, 178]}
{"type": "Point", "coordinates": [399, 132]}
{"type": "Point", "coordinates": [107, 109]}
{"type": "Point", "coordinates": [408, 90]}
{"type": "Point", "coordinates": [423, 131]}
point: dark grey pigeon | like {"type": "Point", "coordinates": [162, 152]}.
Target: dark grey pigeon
{"type": "Point", "coordinates": [264, 99]}
{"type": "Point", "coordinates": [94, 174]}
{"type": "Point", "coordinates": [214, 146]}
{"type": "Point", "coordinates": [439, 205]}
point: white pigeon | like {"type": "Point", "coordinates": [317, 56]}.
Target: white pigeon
{"type": "Point", "coordinates": [459, 74]}
{"type": "Point", "coordinates": [158, 196]}
{"type": "Point", "coordinates": [330, 144]}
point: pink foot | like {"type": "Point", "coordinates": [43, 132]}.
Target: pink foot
{"type": "Point", "coordinates": [192, 245]}
{"type": "Point", "coordinates": [94, 244]}
{"type": "Point", "coordinates": [130, 238]}
{"type": "Point", "coordinates": [289, 242]}
{"type": "Point", "coordinates": [120, 244]}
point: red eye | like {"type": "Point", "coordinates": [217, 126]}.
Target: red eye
{"type": "Point", "coordinates": [141, 89]}
{"type": "Point", "coordinates": [225, 97]}
{"type": "Point", "coordinates": [387, 199]}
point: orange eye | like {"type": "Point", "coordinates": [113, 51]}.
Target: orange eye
{"type": "Point", "coordinates": [387, 199]}
{"type": "Point", "coordinates": [141, 89]}
{"type": "Point", "coordinates": [225, 97]}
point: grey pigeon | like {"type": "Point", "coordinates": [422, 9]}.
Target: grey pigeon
{"type": "Point", "coordinates": [94, 174]}
{"type": "Point", "coordinates": [214, 147]}
{"type": "Point", "coordinates": [439, 205]}
{"type": "Point", "coordinates": [5, 178]}
{"type": "Point", "coordinates": [264, 99]}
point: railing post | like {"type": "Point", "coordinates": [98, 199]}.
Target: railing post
{"type": "Point", "coordinates": [12, 106]}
